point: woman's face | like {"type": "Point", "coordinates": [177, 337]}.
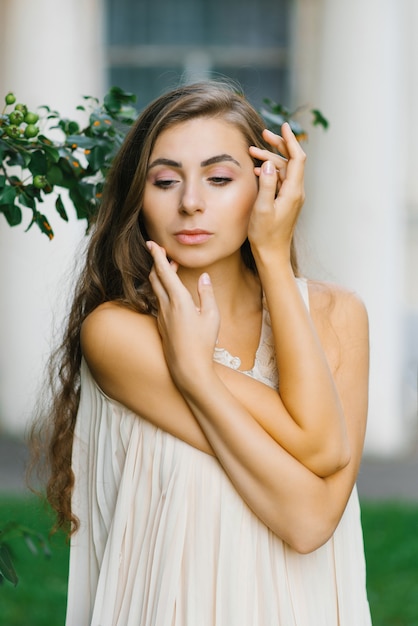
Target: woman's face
{"type": "Point", "coordinates": [199, 192]}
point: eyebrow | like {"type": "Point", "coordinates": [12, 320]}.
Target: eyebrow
{"type": "Point", "coordinates": [219, 158]}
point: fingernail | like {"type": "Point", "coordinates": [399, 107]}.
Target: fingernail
{"type": "Point", "coordinates": [205, 278]}
{"type": "Point", "coordinates": [268, 167]}
{"type": "Point", "coordinates": [148, 244]}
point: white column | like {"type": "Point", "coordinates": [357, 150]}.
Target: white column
{"type": "Point", "coordinates": [354, 215]}
{"type": "Point", "coordinates": [410, 387]}
{"type": "Point", "coordinates": [51, 53]}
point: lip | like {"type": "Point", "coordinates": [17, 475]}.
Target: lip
{"type": "Point", "coordinates": [192, 237]}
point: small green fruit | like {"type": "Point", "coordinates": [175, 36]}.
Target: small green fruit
{"type": "Point", "coordinates": [31, 131]}
{"type": "Point", "coordinates": [22, 108]}
{"type": "Point", "coordinates": [16, 117]}
{"type": "Point", "coordinates": [40, 181]}
{"type": "Point", "coordinates": [10, 98]}
{"type": "Point", "coordinates": [13, 131]}
{"type": "Point", "coordinates": [31, 118]}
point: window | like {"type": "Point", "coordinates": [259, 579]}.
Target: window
{"type": "Point", "coordinates": [154, 45]}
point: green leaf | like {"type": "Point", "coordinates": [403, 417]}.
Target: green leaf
{"type": "Point", "coordinates": [4, 149]}
{"type": "Point", "coordinates": [68, 126]}
{"type": "Point", "coordinates": [42, 223]}
{"type": "Point", "coordinates": [6, 566]}
{"type": "Point", "coordinates": [2, 181]}
{"type": "Point", "coordinates": [319, 119]}
{"type": "Point", "coordinates": [96, 158]}
{"type": "Point", "coordinates": [8, 194]}
{"type": "Point", "coordinates": [276, 108]}
{"type": "Point", "coordinates": [54, 175]}
{"type": "Point", "coordinates": [47, 109]}
{"type": "Point", "coordinates": [59, 205]}
{"type": "Point", "coordinates": [38, 163]}
{"type": "Point", "coordinates": [92, 99]}
{"type": "Point", "coordinates": [17, 158]}
{"type": "Point", "coordinates": [116, 97]}
{"type": "Point", "coordinates": [70, 168]}
{"type": "Point", "coordinates": [81, 196]}
{"type": "Point", "coordinates": [100, 122]}
{"type": "Point", "coordinates": [72, 128]}
{"type": "Point", "coordinates": [48, 148]}
{"type": "Point", "coordinates": [32, 192]}
{"type": "Point", "coordinates": [12, 213]}
{"type": "Point", "coordinates": [126, 116]}
{"type": "Point", "coordinates": [68, 178]}
{"type": "Point", "coordinates": [27, 200]}
{"type": "Point", "coordinates": [80, 141]}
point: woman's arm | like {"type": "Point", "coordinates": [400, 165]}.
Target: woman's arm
{"type": "Point", "coordinates": [124, 352]}
{"type": "Point", "coordinates": [306, 385]}
{"type": "Point", "coordinates": [300, 507]}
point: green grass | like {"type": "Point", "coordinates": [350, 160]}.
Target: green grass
{"type": "Point", "coordinates": [391, 544]}
{"type": "Point", "coordinates": [39, 599]}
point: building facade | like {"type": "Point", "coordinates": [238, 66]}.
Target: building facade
{"type": "Point", "coordinates": [355, 61]}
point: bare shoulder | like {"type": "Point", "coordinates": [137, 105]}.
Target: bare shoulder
{"type": "Point", "coordinates": [340, 306]}
{"type": "Point", "coordinates": [124, 352]}
{"type": "Point", "coordinates": [113, 317]}
{"type": "Point", "coordinates": [116, 341]}
{"type": "Point", "coordinates": [341, 320]}
{"type": "Point", "coordinates": [112, 326]}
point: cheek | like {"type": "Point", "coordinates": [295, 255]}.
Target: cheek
{"type": "Point", "coordinates": [249, 204]}
{"type": "Point", "coordinates": [150, 213]}
{"type": "Point", "coordinates": [250, 198]}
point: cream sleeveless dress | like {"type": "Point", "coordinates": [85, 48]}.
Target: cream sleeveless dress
{"type": "Point", "coordinates": [165, 540]}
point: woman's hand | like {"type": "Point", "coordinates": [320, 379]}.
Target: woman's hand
{"type": "Point", "coordinates": [188, 333]}
{"type": "Point", "coordinates": [281, 193]}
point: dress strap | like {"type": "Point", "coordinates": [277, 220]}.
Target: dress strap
{"type": "Point", "coordinates": [303, 288]}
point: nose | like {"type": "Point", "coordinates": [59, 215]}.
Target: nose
{"type": "Point", "coordinates": [191, 200]}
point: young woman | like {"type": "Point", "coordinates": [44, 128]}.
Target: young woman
{"type": "Point", "coordinates": [214, 403]}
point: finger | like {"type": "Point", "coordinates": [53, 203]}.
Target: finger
{"type": "Point", "coordinates": [281, 172]}
{"type": "Point", "coordinates": [267, 186]}
{"type": "Point", "coordinates": [297, 157]}
{"type": "Point", "coordinates": [276, 141]}
{"type": "Point", "coordinates": [158, 289]}
{"type": "Point", "coordinates": [262, 154]}
{"type": "Point", "coordinates": [208, 304]}
{"type": "Point", "coordinates": [164, 273]}
{"type": "Point", "coordinates": [174, 266]}
{"type": "Point", "coordinates": [205, 290]}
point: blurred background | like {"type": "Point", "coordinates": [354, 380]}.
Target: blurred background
{"type": "Point", "coordinates": [356, 61]}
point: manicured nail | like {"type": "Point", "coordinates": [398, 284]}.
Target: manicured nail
{"type": "Point", "coordinates": [205, 278]}
{"type": "Point", "coordinates": [268, 167]}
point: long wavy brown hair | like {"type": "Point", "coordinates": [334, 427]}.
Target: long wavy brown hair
{"type": "Point", "coordinates": [117, 267]}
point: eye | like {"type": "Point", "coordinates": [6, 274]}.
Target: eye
{"type": "Point", "coordinates": [164, 183]}
{"type": "Point", "coordinates": [219, 181]}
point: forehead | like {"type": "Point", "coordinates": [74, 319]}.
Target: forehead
{"type": "Point", "coordinates": [204, 136]}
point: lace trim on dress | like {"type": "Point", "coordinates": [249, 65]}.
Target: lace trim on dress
{"type": "Point", "coordinates": [265, 366]}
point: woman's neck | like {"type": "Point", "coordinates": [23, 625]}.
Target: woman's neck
{"type": "Point", "coordinates": [236, 287]}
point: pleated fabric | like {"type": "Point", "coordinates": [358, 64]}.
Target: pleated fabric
{"type": "Point", "coordinates": [165, 539]}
